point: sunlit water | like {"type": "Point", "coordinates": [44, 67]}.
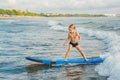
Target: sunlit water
{"type": "Point", "coordinates": [44, 37]}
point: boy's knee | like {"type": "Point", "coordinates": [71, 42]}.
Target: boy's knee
{"type": "Point", "coordinates": [69, 50]}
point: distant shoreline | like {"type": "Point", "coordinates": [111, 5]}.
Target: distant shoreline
{"type": "Point", "coordinates": [14, 14]}
{"type": "Point", "coordinates": [20, 17]}
{"type": "Point", "coordinates": [16, 17]}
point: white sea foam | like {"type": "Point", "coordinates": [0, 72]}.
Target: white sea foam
{"type": "Point", "coordinates": [110, 67]}
{"type": "Point", "coordinates": [52, 23]}
{"type": "Point", "coordinates": [55, 25]}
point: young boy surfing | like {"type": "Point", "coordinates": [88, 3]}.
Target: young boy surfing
{"type": "Point", "coordinates": [73, 38]}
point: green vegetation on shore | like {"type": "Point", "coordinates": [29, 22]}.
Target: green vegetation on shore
{"type": "Point", "coordinates": [17, 13]}
{"type": "Point", "coordinates": [9, 13]}
{"type": "Point", "coordinates": [76, 15]}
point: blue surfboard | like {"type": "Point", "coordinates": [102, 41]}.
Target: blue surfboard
{"type": "Point", "coordinates": [96, 60]}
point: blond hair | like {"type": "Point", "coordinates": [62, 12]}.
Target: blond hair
{"type": "Point", "coordinates": [72, 26]}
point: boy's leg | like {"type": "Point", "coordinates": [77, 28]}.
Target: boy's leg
{"type": "Point", "coordinates": [81, 51]}
{"type": "Point", "coordinates": [68, 52]}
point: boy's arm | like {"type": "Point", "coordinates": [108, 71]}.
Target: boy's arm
{"type": "Point", "coordinates": [67, 39]}
{"type": "Point", "coordinates": [79, 36]}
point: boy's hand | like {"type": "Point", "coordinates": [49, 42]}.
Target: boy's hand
{"type": "Point", "coordinates": [64, 44]}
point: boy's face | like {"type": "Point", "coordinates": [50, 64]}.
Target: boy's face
{"type": "Point", "coordinates": [71, 30]}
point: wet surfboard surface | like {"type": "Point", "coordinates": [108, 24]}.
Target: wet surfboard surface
{"type": "Point", "coordinates": [96, 60]}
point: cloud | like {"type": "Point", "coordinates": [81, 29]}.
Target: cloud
{"type": "Point", "coordinates": [12, 2]}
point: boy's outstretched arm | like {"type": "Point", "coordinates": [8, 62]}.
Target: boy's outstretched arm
{"type": "Point", "coordinates": [67, 39]}
{"type": "Point", "coordinates": [79, 36]}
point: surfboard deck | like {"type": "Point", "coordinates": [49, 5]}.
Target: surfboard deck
{"type": "Point", "coordinates": [69, 61]}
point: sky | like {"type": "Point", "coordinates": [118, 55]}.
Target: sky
{"type": "Point", "coordinates": [64, 6]}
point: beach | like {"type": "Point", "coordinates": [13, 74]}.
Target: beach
{"type": "Point", "coordinates": [44, 37]}
{"type": "Point", "coordinates": [20, 17]}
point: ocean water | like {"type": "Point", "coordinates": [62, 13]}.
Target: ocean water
{"type": "Point", "coordinates": [44, 37]}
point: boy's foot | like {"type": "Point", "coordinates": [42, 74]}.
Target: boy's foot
{"type": "Point", "coordinates": [65, 60]}
{"type": "Point", "coordinates": [86, 59]}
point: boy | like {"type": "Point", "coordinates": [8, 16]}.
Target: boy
{"type": "Point", "coordinates": [74, 38]}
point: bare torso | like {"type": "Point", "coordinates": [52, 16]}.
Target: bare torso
{"type": "Point", "coordinates": [74, 37]}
